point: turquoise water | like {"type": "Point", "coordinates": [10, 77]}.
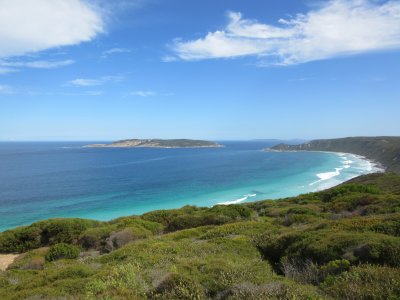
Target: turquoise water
{"type": "Point", "coordinates": [47, 180]}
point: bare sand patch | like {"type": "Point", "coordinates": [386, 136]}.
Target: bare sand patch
{"type": "Point", "coordinates": [6, 260]}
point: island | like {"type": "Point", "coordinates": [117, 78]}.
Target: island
{"type": "Point", "coordinates": [383, 150]}
{"type": "Point", "coordinates": [157, 143]}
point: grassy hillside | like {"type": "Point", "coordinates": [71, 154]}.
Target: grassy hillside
{"type": "Point", "coordinates": [342, 243]}
{"type": "Point", "coordinates": [385, 150]}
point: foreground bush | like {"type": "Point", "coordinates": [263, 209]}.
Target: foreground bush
{"type": "Point", "coordinates": [62, 250]}
{"type": "Point", "coordinates": [323, 245]}
{"type": "Point", "coordinates": [365, 282]}
{"type": "Point", "coordinates": [43, 233]}
{"type": "Point", "coordinates": [192, 216]}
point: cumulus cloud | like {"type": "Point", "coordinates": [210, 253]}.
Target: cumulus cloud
{"type": "Point", "coordinates": [112, 51]}
{"type": "Point", "coordinates": [336, 28]}
{"type": "Point", "coordinates": [144, 93]}
{"type": "Point", "coordinates": [85, 82]}
{"type": "Point", "coordinates": [28, 26]}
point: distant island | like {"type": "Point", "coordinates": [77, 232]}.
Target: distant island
{"type": "Point", "coordinates": [157, 143]}
{"type": "Point", "coordinates": [383, 150]}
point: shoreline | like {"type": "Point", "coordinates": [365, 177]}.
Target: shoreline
{"type": "Point", "coordinates": [247, 197]}
{"type": "Point", "coordinates": [374, 162]}
{"type": "Point", "coordinates": [373, 167]}
{"type": "Point", "coordinates": [384, 150]}
{"type": "Point", "coordinates": [376, 167]}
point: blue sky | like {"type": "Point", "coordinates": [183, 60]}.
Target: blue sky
{"type": "Point", "coordinates": [210, 69]}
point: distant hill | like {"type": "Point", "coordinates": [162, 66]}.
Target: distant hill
{"type": "Point", "coordinates": [385, 150]}
{"type": "Point", "coordinates": [157, 143]}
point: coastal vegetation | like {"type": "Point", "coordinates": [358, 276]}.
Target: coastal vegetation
{"type": "Point", "coordinates": [341, 243]}
{"type": "Point", "coordinates": [384, 149]}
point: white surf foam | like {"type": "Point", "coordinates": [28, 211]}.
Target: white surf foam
{"type": "Point", "coordinates": [327, 176]}
{"type": "Point", "coordinates": [240, 200]}
{"type": "Point", "coordinates": [347, 162]}
{"type": "Point", "coordinates": [354, 165]}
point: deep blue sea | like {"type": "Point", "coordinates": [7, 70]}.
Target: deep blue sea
{"type": "Point", "coordinates": [49, 180]}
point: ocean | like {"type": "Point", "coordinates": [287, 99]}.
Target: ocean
{"type": "Point", "coordinates": [62, 179]}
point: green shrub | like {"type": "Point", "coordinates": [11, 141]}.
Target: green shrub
{"type": "Point", "coordinates": [64, 230]}
{"type": "Point", "coordinates": [365, 282]}
{"type": "Point", "coordinates": [307, 272]}
{"type": "Point", "coordinates": [62, 250]}
{"type": "Point", "coordinates": [118, 282]}
{"type": "Point", "coordinates": [117, 233]}
{"type": "Point", "coordinates": [153, 227]}
{"type": "Point", "coordinates": [72, 272]}
{"type": "Point", "coordinates": [95, 238]}
{"type": "Point", "coordinates": [177, 286]}
{"type": "Point", "coordinates": [274, 246]}
{"type": "Point", "coordinates": [301, 211]}
{"type": "Point", "coordinates": [346, 189]}
{"type": "Point", "coordinates": [20, 239]}
{"type": "Point", "coordinates": [275, 290]}
{"type": "Point", "coordinates": [351, 202]}
{"type": "Point", "coordinates": [336, 267]}
{"type": "Point", "coordinates": [385, 250]}
{"type": "Point", "coordinates": [323, 246]}
{"type": "Point", "coordinates": [43, 233]}
{"type": "Point", "coordinates": [191, 216]}
{"type": "Point", "coordinates": [295, 219]}
{"type": "Point", "coordinates": [388, 227]}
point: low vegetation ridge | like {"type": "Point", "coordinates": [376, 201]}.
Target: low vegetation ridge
{"type": "Point", "coordinates": [157, 143]}
{"type": "Point", "coordinates": [384, 150]}
{"type": "Point", "coordinates": [341, 243]}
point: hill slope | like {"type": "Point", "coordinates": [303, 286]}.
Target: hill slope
{"type": "Point", "coordinates": [385, 150]}
{"type": "Point", "coordinates": [342, 243]}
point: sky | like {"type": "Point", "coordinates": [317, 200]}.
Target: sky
{"type": "Point", "coordinates": [101, 70]}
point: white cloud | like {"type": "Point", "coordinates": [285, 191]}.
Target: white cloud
{"type": "Point", "coordinates": [111, 51]}
{"type": "Point", "coordinates": [43, 64]}
{"type": "Point", "coordinates": [144, 93]}
{"type": "Point", "coordinates": [337, 28]}
{"type": "Point", "coordinates": [28, 26]}
{"type": "Point", "coordinates": [84, 82]}
{"type": "Point", "coordinates": [38, 64]}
